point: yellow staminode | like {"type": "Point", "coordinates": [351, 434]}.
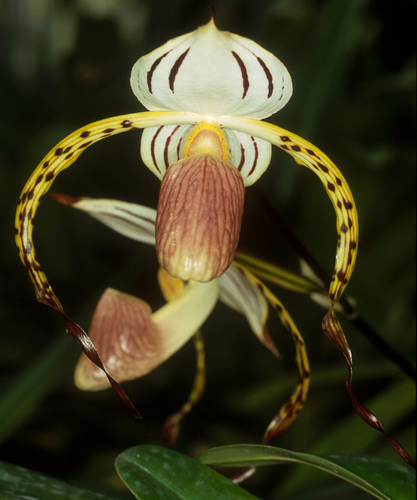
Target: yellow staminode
{"type": "Point", "coordinates": [207, 138]}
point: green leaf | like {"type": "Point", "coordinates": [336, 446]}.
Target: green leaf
{"type": "Point", "coordinates": [153, 473]}
{"type": "Point", "coordinates": [17, 482]}
{"type": "Point", "coordinates": [24, 394]}
{"type": "Point", "coordinates": [380, 477]}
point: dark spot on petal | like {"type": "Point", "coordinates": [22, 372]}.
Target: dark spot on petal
{"type": "Point", "coordinates": [341, 275]}
{"type": "Point", "coordinates": [331, 186]}
{"type": "Point", "coordinates": [323, 167]}
{"type": "Point", "coordinates": [344, 228]}
{"type": "Point", "coordinates": [126, 123]}
{"type": "Point", "coordinates": [296, 148]}
{"type": "Point", "coordinates": [49, 176]}
{"type": "Point", "coordinates": [58, 152]}
{"type": "Point", "coordinates": [85, 134]}
{"type": "Point", "coordinates": [284, 138]}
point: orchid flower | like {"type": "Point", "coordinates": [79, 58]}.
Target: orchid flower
{"type": "Point", "coordinates": [133, 341]}
{"type": "Point", "coordinates": [207, 93]}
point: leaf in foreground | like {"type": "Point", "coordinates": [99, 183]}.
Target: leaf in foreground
{"type": "Point", "coordinates": [382, 478]}
{"type": "Point", "coordinates": [156, 473]}
{"type": "Point", "coordinates": [18, 482]}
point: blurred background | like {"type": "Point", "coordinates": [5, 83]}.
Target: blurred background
{"type": "Point", "coordinates": [65, 63]}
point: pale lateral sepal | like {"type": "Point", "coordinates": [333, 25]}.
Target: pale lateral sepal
{"type": "Point", "coordinates": [240, 294]}
{"type": "Point", "coordinates": [134, 221]}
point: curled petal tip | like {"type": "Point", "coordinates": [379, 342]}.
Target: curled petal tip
{"type": "Point", "coordinates": [199, 216]}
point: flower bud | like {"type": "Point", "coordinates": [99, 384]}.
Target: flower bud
{"type": "Point", "coordinates": [199, 216]}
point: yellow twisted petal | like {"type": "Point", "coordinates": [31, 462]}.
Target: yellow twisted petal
{"type": "Point", "coordinates": [288, 411]}
{"type": "Point", "coordinates": [58, 159]}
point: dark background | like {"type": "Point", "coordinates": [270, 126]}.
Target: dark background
{"type": "Point", "coordinates": [67, 63]}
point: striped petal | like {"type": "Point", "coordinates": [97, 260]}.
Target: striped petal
{"type": "Point", "coordinates": [250, 155]}
{"type": "Point", "coordinates": [129, 219]}
{"type": "Point", "coordinates": [212, 72]}
{"type": "Point", "coordinates": [132, 341]}
{"type": "Point", "coordinates": [162, 146]}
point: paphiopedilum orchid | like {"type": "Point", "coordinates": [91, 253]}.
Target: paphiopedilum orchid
{"type": "Point", "coordinates": [203, 137]}
{"type": "Point", "coordinates": [132, 341]}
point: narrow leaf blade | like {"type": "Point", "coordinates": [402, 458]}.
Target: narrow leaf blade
{"type": "Point", "coordinates": [381, 478]}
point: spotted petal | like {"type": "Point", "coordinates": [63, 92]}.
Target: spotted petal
{"type": "Point", "coordinates": [132, 341]}
{"type": "Point", "coordinates": [334, 183]}
{"type": "Point", "coordinates": [212, 72]}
